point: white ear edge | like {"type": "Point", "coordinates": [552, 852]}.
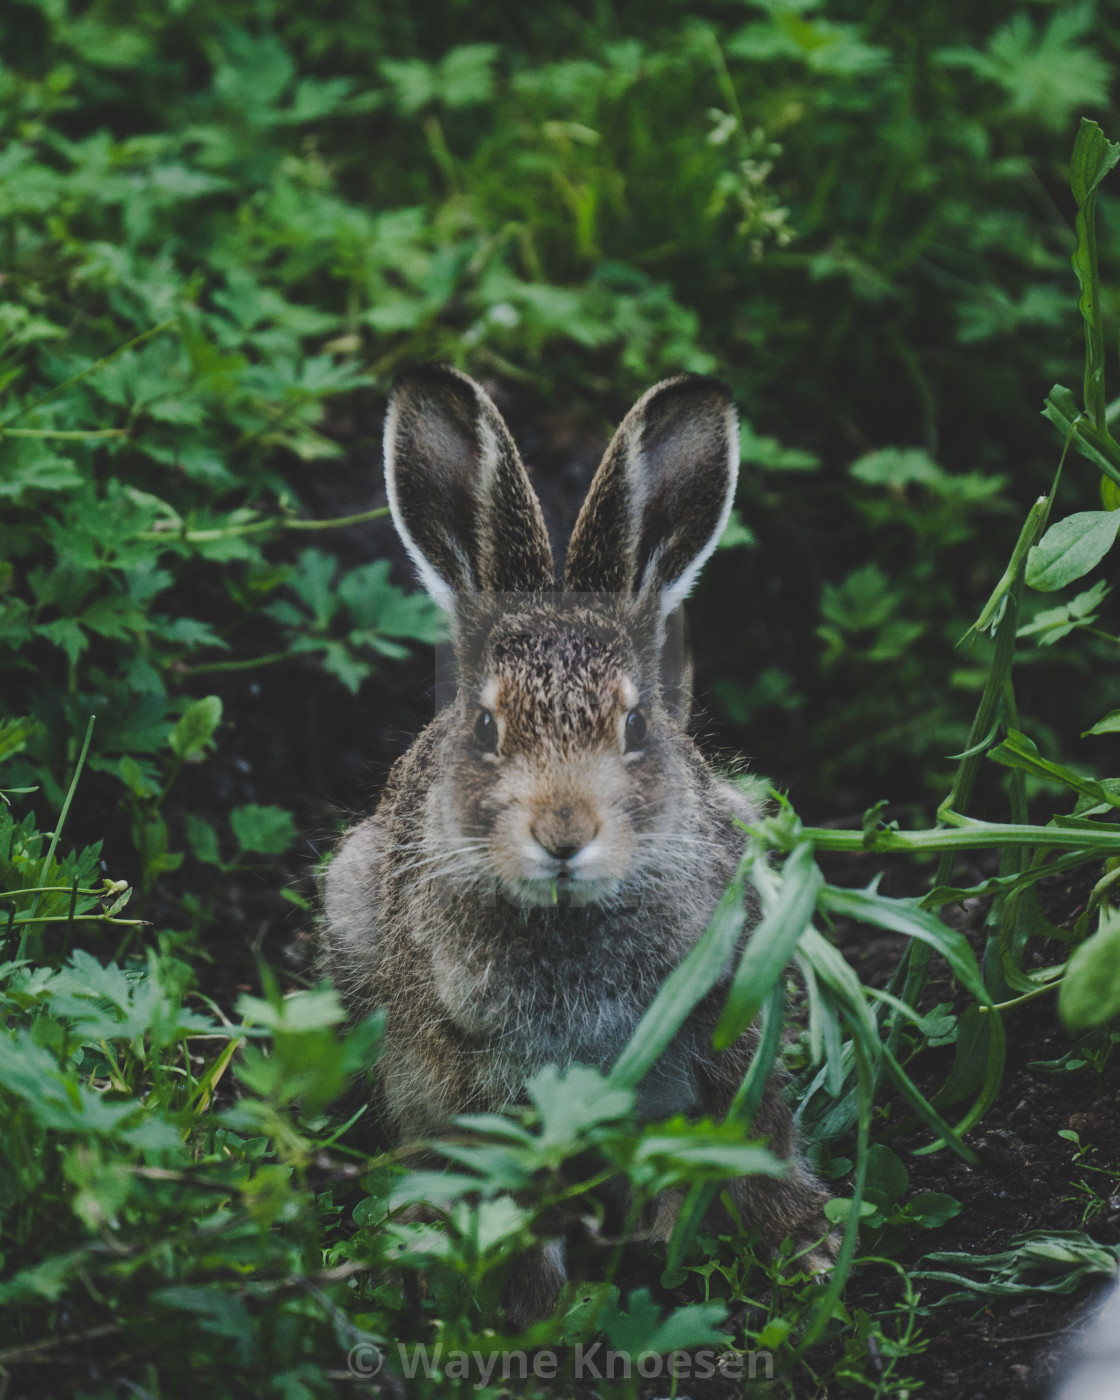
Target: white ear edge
{"type": "Point", "coordinates": [437, 587]}
{"type": "Point", "coordinates": [674, 594]}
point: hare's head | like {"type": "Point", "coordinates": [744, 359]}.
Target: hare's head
{"type": "Point", "coordinates": [569, 775]}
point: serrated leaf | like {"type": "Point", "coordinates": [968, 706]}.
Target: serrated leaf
{"type": "Point", "coordinates": [195, 729]}
{"type": "Point", "coordinates": [202, 839]}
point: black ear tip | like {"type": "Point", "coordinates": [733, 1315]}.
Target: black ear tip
{"type": "Point", "coordinates": [692, 388]}
{"type": "Point", "coordinates": [432, 383]}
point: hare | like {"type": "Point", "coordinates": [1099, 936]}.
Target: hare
{"type": "Point", "coordinates": [553, 844]}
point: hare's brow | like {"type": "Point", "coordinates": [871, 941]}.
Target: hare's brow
{"type": "Point", "coordinates": [572, 647]}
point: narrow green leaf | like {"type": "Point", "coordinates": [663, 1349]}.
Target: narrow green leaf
{"type": "Point", "coordinates": [683, 989]}
{"type": "Point", "coordinates": [1097, 447]}
{"type": "Point", "coordinates": [923, 926]}
{"type": "Point", "coordinates": [901, 916]}
{"type": "Point", "coordinates": [743, 1108]}
{"type": "Point", "coordinates": [1017, 751]}
{"type": "Point", "coordinates": [771, 945]}
{"type": "Point", "coordinates": [1093, 157]}
{"type": "Point", "coordinates": [1033, 527]}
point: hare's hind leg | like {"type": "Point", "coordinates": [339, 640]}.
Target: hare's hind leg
{"type": "Point", "coordinates": [791, 1206]}
{"type": "Point", "coordinates": [533, 1287]}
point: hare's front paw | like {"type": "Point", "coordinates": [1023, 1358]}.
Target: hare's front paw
{"type": "Point", "coordinates": [817, 1256]}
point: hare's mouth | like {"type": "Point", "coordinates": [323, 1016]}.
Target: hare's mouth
{"type": "Point", "coordinates": [564, 890]}
{"type": "Point", "coordinates": [563, 885]}
{"type": "Point", "coordinates": [544, 878]}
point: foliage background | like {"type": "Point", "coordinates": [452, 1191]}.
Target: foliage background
{"type": "Point", "coordinates": [223, 228]}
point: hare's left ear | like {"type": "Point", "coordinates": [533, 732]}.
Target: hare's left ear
{"type": "Point", "coordinates": [459, 494]}
{"type": "Point", "coordinates": [662, 495]}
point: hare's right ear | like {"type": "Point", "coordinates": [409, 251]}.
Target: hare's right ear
{"type": "Point", "coordinates": [661, 497]}
{"type": "Point", "coordinates": [459, 494]}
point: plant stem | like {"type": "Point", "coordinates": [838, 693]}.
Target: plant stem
{"type": "Point", "coordinates": [66, 434]}
{"type": "Point", "coordinates": [970, 836]}
{"type": "Point", "coordinates": [57, 833]}
{"type": "Point", "coordinates": [248, 664]}
{"type": "Point", "coordinates": [1027, 996]}
{"type": "Point", "coordinates": [83, 374]}
{"type": "Point", "coordinates": [257, 527]}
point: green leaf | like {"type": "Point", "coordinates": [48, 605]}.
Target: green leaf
{"type": "Point", "coordinates": [1090, 991]}
{"type": "Point", "coordinates": [573, 1100]}
{"type": "Point", "coordinates": [1110, 724]}
{"type": "Point", "coordinates": [640, 1329]}
{"type": "Point", "coordinates": [932, 1209]}
{"type": "Point", "coordinates": [219, 1312]}
{"type": "Point", "coordinates": [887, 1178]}
{"type": "Point", "coordinates": [14, 734]}
{"type": "Point", "coordinates": [195, 730]}
{"type": "Point", "coordinates": [1093, 157]}
{"type": "Point", "coordinates": [268, 831]}
{"type": "Point", "coordinates": [1017, 751]}
{"type": "Point", "coordinates": [581, 1303]}
{"type": "Point", "coordinates": [683, 989]}
{"type": "Point", "coordinates": [202, 839]}
{"type": "Point", "coordinates": [771, 945]}
{"type": "Point", "coordinates": [1097, 447]}
{"type": "Point", "coordinates": [1071, 548]}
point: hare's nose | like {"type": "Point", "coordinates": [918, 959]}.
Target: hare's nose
{"type": "Point", "coordinates": [563, 834]}
{"type": "Point", "coordinates": [561, 852]}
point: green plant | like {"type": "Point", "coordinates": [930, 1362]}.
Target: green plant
{"type": "Point", "coordinates": [222, 230]}
{"type": "Point", "coordinates": [1091, 1196]}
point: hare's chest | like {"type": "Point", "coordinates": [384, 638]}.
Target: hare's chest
{"type": "Point", "coordinates": [560, 1014]}
{"type": "Point", "coordinates": [554, 1010]}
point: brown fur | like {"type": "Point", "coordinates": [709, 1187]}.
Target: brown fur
{"type": "Point", "coordinates": [521, 906]}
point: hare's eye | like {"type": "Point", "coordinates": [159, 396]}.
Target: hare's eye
{"type": "Point", "coordinates": [636, 729]}
{"type": "Point", "coordinates": [486, 731]}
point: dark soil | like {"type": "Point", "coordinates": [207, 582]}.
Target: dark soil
{"type": "Point", "coordinates": [1024, 1180]}
{"type": "Point", "coordinates": [293, 736]}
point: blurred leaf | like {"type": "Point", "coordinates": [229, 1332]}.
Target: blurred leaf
{"type": "Point", "coordinates": [266, 830]}
{"type": "Point", "coordinates": [195, 730]}
{"type": "Point", "coordinates": [1090, 991]}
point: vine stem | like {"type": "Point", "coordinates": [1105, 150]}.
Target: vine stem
{"type": "Point", "coordinates": [257, 527]}
{"type": "Point", "coordinates": [67, 434]}
{"type": "Point", "coordinates": [249, 664]}
{"type": "Point", "coordinates": [1027, 996]}
{"type": "Point", "coordinates": [82, 374]}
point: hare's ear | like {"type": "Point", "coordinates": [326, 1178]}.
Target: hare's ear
{"type": "Point", "coordinates": [662, 495]}
{"type": "Point", "coordinates": [459, 494]}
